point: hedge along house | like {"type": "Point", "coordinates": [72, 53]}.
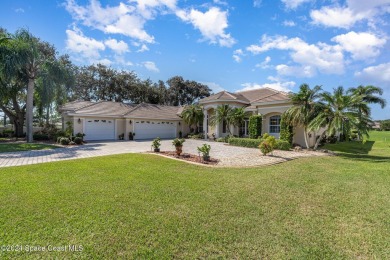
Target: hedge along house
{"type": "Point", "coordinates": [267, 102]}
{"type": "Point", "coordinates": [107, 120]}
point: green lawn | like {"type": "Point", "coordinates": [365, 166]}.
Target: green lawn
{"type": "Point", "coordinates": [18, 147]}
{"type": "Point", "coordinates": [146, 206]}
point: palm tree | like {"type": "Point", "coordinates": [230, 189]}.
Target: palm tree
{"type": "Point", "coordinates": [305, 108]}
{"type": "Point", "coordinates": [192, 115]}
{"type": "Point", "coordinates": [31, 57]}
{"type": "Point", "coordinates": [339, 115]}
{"type": "Point", "coordinates": [368, 95]}
{"type": "Point", "coordinates": [228, 115]}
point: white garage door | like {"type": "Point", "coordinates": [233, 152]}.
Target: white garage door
{"type": "Point", "coordinates": [99, 129]}
{"type": "Point", "coordinates": [153, 129]}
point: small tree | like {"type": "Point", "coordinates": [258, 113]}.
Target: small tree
{"type": "Point", "coordinates": [286, 130]}
{"type": "Point", "coordinates": [268, 144]}
{"type": "Point", "coordinates": [254, 127]}
{"type": "Point", "coordinates": [192, 115]}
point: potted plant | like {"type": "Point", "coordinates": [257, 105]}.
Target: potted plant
{"type": "Point", "coordinates": [121, 136]}
{"type": "Point", "coordinates": [205, 151]}
{"type": "Point", "coordinates": [180, 134]}
{"type": "Point", "coordinates": [131, 135]}
{"type": "Point", "coordinates": [156, 145]}
{"type": "Point", "coordinates": [178, 143]}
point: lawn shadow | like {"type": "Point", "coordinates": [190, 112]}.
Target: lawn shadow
{"type": "Point", "coordinates": [364, 157]}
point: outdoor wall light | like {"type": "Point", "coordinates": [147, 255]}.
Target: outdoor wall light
{"type": "Point", "coordinates": [179, 123]}
{"type": "Point", "coordinates": [130, 122]}
{"type": "Point", "coordinates": [79, 121]}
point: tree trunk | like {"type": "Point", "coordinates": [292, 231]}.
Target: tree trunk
{"type": "Point", "coordinates": [47, 114]}
{"type": "Point", "coordinates": [29, 110]}
{"type": "Point", "coordinates": [306, 141]}
{"type": "Point", "coordinates": [318, 141]}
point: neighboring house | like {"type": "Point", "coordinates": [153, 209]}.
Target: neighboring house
{"type": "Point", "coordinates": [106, 120]}
{"type": "Point", "coordinates": [268, 102]}
{"type": "Point", "coordinates": [376, 125]}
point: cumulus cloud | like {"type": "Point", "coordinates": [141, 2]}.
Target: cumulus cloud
{"type": "Point", "coordinates": [265, 63]}
{"type": "Point", "coordinates": [348, 15]}
{"type": "Point", "coordinates": [215, 87]}
{"type": "Point", "coordinates": [362, 45]}
{"type": "Point", "coordinates": [379, 74]}
{"type": "Point", "coordinates": [151, 66]}
{"type": "Point", "coordinates": [211, 24]}
{"type": "Point", "coordinates": [293, 4]}
{"type": "Point", "coordinates": [277, 85]}
{"type": "Point", "coordinates": [143, 48]}
{"type": "Point", "coordinates": [320, 57]}
{"type": "Point", "coordinates": [237, 54]}
{"type": "Point", "coordinates": [87, 47]}
{"type": "Point", "coordinates": [118, 47]}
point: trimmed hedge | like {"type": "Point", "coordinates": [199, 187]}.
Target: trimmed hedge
{"type": "Point", "coordinates": [254, 126]}
{"type": "Point", "coordinates": [41, 137]}
{"type": "Point", "coordinates": [245, 142]}
{"type": "Point", "coordinates": [254, 143]}
{"type": "Point", "coordinates": [286, 131]}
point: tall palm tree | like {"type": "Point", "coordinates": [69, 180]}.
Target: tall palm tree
{"type": "Point", "coordinates": [31, 57]}
{"type": "Point", "coordinates": [192, 115]}
{"type": "Point", "coordinates": [368, 95]}
{"type": "Point", "coordinates": [339, 114]}
{"type": "Point", "coordinates": [305, 108]}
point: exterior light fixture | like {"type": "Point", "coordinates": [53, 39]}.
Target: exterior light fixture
{"type": "Point", "coordinates": [79, 121]}
{"type": "Point", "coordinates": [130, 122]}
{"type": "Point", "coordinates": [179, 123]}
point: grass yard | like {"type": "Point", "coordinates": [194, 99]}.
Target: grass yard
{"type": "Point", "coordinates": [18, 147]}
{"type": "Point", "coordinates": [146, 206]}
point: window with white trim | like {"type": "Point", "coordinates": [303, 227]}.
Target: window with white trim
{"type": "Point", "coordinates": [274, 124]}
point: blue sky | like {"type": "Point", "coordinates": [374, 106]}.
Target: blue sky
{"type": "Point", "coordinates": [230, 45]}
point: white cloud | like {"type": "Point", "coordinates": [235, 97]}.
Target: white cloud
{"type": "Point", "coordinates": [19, 10]}
{"type": "Point", "coordinates": [237, 54]}
{"type": "Point", "coordinates": [362, 46]}
{"type": "Point", "coordinates": [289, 23]}
{"type": "Point", "coordinates": [278, 85]}
{"type": "Point", "coordinates": [118, 47]}
{"type": "Point", "coordinates": [211, 24]}
{"type": "Point", "coordinates": [296, 71]}
{"type": "Point", "coordinates": [87, 47]}
{"type": "Point", "coordinates": [325, 58]}
{"type": "Point", "coordinates": [359, 5]}
{"type": "Point", "coordinates": [143, 48]}
{"type": "Point", "coordinates": [219, 2]}
{"type": "Point", "coordinates": [257, 3]}
{"type": "Point", "coordinates": [293, 4]}
{"type": "Point", "coordinates": [342, 17]}
{"type": "Point", "coordinates": [151, 66]}
{"type": "Point", "coordinates": [265, 63]}
{"type": "Point", "coordinates": [377, 74]}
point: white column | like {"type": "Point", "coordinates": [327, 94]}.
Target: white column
{"type": "Point", "coordinates": [205, 130]}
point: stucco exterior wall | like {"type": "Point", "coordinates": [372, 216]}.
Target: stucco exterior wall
{"type": "Point", "coordinates": [120, 128]}
{"type": "Point", "coordinates": [77, 127]}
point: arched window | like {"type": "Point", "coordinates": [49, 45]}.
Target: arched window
{"type": "Point", "coordinates": [274, 124]}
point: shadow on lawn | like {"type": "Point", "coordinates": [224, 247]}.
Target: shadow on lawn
{"type": "Point", "coordinates": [364, 157]}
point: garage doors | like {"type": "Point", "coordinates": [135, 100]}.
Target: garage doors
{"type": "Point", "coordinates": [99, 129]}
{"type": "Point", "coordinates": [153, 129]}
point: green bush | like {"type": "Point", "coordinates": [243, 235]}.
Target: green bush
{"type": "Point", "coordinates": [8, 133]}
{"type": "Point", "coordinates": [282, 145]}
{"type": "Point", "coordinates": [245, 142]}
{"type": "Point", "coordinates": [64, 141]}
{"type": "Point", "coordinates": [196, 136]}
{"type": "Point", "coordinates": [254, 126]}
{"type": "Point", "coordinates": [268, 144]}
{"type": "Point", "coordinates": [286, 130]}
{"type": "Point", "coordinates": [41, 137]}
{"type": "Point", "coordinates": [78, 140]}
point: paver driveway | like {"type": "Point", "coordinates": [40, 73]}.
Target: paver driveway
{"type": "Point", "coordinates": [228, 155]}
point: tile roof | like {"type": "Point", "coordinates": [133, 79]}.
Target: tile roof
{"type": "Point", "coordinates": [105, 108]}
{"type": "Point", "coordinates": [74, 105]}
{"type": "Point", "coordinates": [225, 96]}
{"type": "Point", "coordinates": [117, 109]}
{"type": "Point", "coordinates": [264, 95]}
{"type": "Point", "coordinates": [155, 112]}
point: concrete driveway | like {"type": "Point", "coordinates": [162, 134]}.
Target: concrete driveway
{"type": "Point", "coordinates": [231, 156]}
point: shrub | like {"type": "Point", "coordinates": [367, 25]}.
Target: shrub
{"type": "Point", "coordinates": [268, 144]}
{"type": "Point", "coordinates": [81, 135]}
{"type": "Point", "coordinates": [245, 142]}
{"type": "Point", "coordinates": [64, 141]}
{"type": "Point", "coordinates": [220, 139]}
{"type": "Point", "coordinates": [205, 150]}
{"type": "Point", "coordinates": [8, 133]}
{"type": "Point", "coordinates": [78, 140]}
{"type": "Point", "coordinates": [41, 137]}
{"type": "Point", "coordinates": [254, 126]}
{"type": "Point", "coordinates": [156, 143]}
{"type": "Point", "coordinates": [196, 136]}
{"type": "Point", "coordinates": [282, 145]}
{"type": "Point", "coordinates": [178, 142]}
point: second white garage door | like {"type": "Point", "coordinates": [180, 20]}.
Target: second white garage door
{"type": "Point", "coordinates": [153, 129]}
{"type": "Point", "coordinates": [98, 129]}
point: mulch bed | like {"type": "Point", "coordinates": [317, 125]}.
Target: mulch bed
{"type": "Point", "coordinates": [189, 157]}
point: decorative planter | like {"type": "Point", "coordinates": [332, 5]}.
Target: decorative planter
{"type": "Point", "coordinates": [156, 150]}
{"type": "Point", "coordinates": [206, 158]}
{"type": "Point", "coordinates": [179, 150]}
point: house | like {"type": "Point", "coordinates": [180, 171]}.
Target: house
{"type": "Point", "coordinates": [106, 120]}
{"type": "Point", "coordinates": [267, 102]}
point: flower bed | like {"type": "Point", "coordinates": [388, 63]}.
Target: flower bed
{"type": "Point", "coordinates": [189, 157]}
